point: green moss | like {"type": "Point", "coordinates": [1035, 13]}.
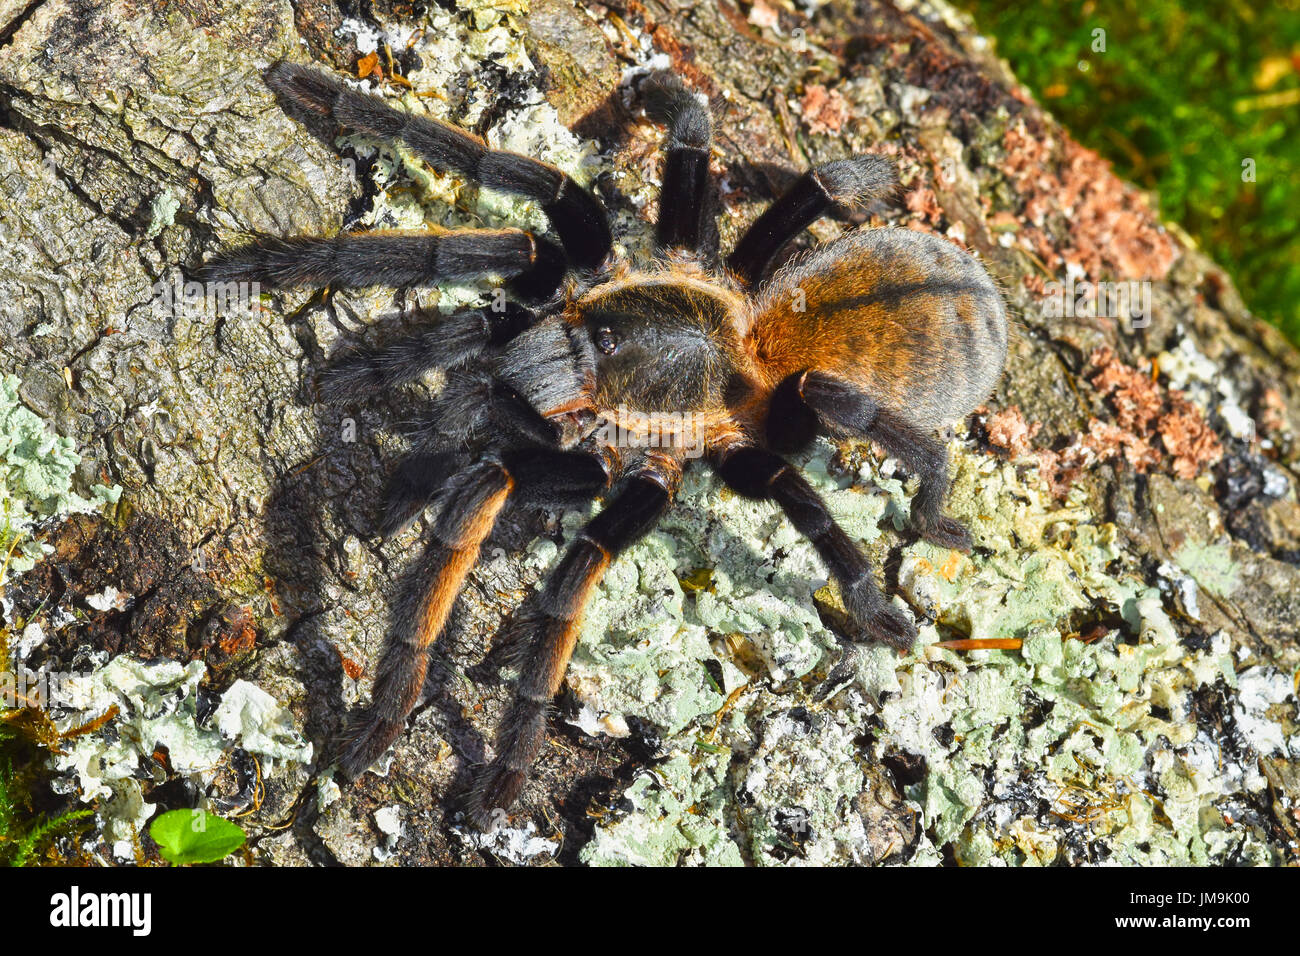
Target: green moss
{"type": "Point", "coordinates": [1182, 95]}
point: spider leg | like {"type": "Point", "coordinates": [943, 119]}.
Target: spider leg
{"type": "Point", "coordinates": [413, 486]}
{"type": "Point", "coordinates": [472, 502]}
{"type": "Point", "coordinates": [577, 216]}
{"type": "Point", "coordinates": [450, 342]}
{"type": "Point", "coordinates": [685, 202]}
{"type": "Point", "coordinates": [546, 631]}
{"type": "Point", "coordinates": [813, 398]}
{"type": "Point", "coordinates": [470, 404]}
{"type": "Point", "coordinates": [534, 266]}
{"type": "Point", "coordinates": [533, 389]}
{"type": "Point", "coordinates": [758, 473]}
{"type": "Point", "coordinates": [851, 182]}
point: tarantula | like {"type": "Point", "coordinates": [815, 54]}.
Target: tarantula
{"type": "Point", "coordinates": [884, 334]}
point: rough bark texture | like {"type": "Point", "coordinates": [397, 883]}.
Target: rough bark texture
{"type": "Point", "coordinates": [1137, 522]}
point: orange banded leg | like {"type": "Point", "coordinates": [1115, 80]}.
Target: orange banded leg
{"type": "Point", "coordinates": [471, 504]}
{"type": "Point", "coordinates": [467, 518]}
{"type": "Point", "coordinates": [548, 630]}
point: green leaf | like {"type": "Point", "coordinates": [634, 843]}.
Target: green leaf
{"type": "Point", "coordinates": [195, 836]}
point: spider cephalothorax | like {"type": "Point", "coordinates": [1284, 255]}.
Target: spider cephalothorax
{"type": "Point", "coordinates": [884, 334]}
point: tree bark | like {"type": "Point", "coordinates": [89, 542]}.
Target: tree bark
{"type": "Point", "coordinates": [1145, 469]}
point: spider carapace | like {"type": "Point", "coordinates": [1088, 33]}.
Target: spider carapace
{"type": "Point", "coordinates": [884, 334]}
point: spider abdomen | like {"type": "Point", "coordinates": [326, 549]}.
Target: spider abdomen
{"type": "Point", "coordinates": [908, 316]}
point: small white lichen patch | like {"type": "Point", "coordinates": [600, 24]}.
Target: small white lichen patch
{"type": "Point", "coordinates": [1192, 372]}
{"type": "Point", "coordinates": [261, 725]}
{"type": "Point", "coordinates": [516, 844]}
{"type": "Point", "coordinates": [109, 599]}
{"type": "Point", "coordinates": [389, 822]}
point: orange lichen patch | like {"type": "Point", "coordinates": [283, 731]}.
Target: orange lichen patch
{"type": "Point", "coordinates": [951, 566]}
{"type": "Point", "coordinates": [1143, 407]}
{"type": "Point", "coordinates": [368, 65]}
{"type": "Point", "coordinates": [1035, 284]}
{"type": "Point", "coordinates": [1009, 432]}
{"type": "Point", "coordinates": [1101, 442]}
{"type": "Point", "coordinates": [1152, 424]}
{"type": "Point", "coordinates": [350, 667]}
{"type": "Point", "coordinates": [1272, 416]}
{"type": "Point", "coordinates": [1107, 228]}
{"type": "Point", "coordinates": [824, 111]}
{"type": "Point", "coordinates": [1188, 438]}
{"type": "Point", "coordinates": [239, 634]}
{"type": "Point", "coordinates": [921, 200]}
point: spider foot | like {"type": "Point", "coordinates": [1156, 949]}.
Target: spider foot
{"type": "Point", "coordinates": [889, 625]}
{"type": "Point", "coordinates": [495, 789]}
{"type": "Point", "coordinates": [877, 619]}
{"type": "Point", "coordinates": [946, 533]}
{"type": "Point", "coordinates": [365, 742]}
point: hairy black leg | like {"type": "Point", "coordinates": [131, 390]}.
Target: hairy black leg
{"type": "Point", "coordinates": [471, 503]}
{"type": "Point", "coordinates": [412, 487]}
{"type": "Point", "coordinates": [758, 473]}
{"type": "Point", "coordinates": [685, 203]}
{"type": "Point", "coordinates": [804, 400]}
{"type": "Point", "coordinates": [577, 216]}
{"type": "Point", "coordinates": [850, 183]}
{"type": "Point", "coordinates": [449, 342]}
{"type": "Point", "coordinates": [546, 630]}
{"type": "Point", "coordinates": [395, 259]}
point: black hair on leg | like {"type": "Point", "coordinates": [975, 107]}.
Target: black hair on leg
{"type": "Point", "coordinates": [845, 408]}
{"type": "Point", "coordinates": [449, 342]}
{"type": "Point", "coordinates": [685, 203]}
{"type": "Point", "coordinates": [413, 485]}
{"type": "Point", "coordinates": [546, 630]}
{"type": "Point", "coordinates": [850, 183]}
{"type": "Point", "coordinates": [577, 216]}
{"type": "Point", "coordinates": [394, 259]}
{"type": "Point", "coordinates": [758, 473]}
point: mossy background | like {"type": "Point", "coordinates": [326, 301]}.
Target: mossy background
{"type": "Point", "coordinates": [1183, 93]}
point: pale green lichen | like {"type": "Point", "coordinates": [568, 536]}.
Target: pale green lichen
{"type": "Point", "coordinates": [1211, 566]}
{"type": "Point", "coordinates": [152, 706]}
{"type": "Point", "coordinates": [36, 472]}
{"type": "Point", "coordinates": [1109, 763]}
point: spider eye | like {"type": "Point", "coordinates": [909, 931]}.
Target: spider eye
{"type": "Point", "coordinates": [606, 341]}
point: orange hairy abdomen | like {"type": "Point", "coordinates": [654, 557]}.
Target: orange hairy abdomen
{"type": "Point", "coordinates": [908, 316]}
